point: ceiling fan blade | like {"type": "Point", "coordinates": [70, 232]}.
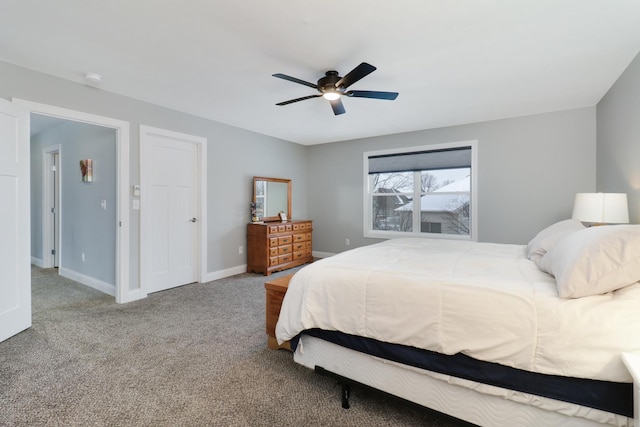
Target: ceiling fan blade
{"type": "Point", "coordinates": [293, 79]}
{"type": "Point", "coordinates": [337, 107]}
{"type": "Point", "coordinates": [356, 74]}
{"type": "Point", "coordinates": [372, 94]}
{"type": "Point", "coordinates": [291, 101]}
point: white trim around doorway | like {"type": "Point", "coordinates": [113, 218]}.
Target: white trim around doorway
{"type": "Point", "coordinates": [122, 292]}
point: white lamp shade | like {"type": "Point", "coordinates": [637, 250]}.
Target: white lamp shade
{"type": "Point", "coordinates": [603, 208]}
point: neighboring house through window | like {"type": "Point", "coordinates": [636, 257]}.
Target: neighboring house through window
{"type": "Point", "coordinates": [421, 191]}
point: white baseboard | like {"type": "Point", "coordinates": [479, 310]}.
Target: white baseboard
{"type": "Point", "coordinates": [221, 274]}
{"type": "Point", "coordinates": [239, 269]}
{"type": "Point", "coordinates": [131, 295]}
{"type": "Point", "coordinates": [91, 282]}
{"type": "Point", "coordinates": [38, 262]}
{"type": "Point", "coordinates": [317, 254]}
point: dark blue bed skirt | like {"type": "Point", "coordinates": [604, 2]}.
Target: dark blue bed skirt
{"type": "Point", "coordinates": [608, 396]}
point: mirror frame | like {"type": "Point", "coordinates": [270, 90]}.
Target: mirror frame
{"type": "Point", "coordinates": [281, 180]}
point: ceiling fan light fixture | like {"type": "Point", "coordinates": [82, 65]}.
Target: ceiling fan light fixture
{"type": "Point", "coordinates": [331, 87]}
{"type": "Point", "coordinates": [331, 96]}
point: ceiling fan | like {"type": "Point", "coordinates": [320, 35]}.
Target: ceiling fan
{"type": "Point", "coordinates": [332, 87]}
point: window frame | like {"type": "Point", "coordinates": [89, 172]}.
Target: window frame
{"type": "Point", "coordinates": [368, 230]}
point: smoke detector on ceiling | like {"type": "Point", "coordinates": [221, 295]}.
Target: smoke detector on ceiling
{"type": "Point", "coordinates": [92, 79]}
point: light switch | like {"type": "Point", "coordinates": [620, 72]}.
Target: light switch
{"type": "Point", "coordinates": [135, 204]}
{"type": "Point", "coordinates": [103, 204]}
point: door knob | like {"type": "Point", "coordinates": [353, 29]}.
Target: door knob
{"type": "Point", "coordinates": [193, 220]}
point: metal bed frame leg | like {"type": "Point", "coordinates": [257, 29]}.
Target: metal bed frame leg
{"type": "Point", "coordinates": [346, 383]}
{"type": "Point", "coordinates": [346, 393]}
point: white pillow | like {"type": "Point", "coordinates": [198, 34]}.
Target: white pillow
{"type": "Point", "coordinates": [595, 260]}
{"type": "Point", "coordinates": [548, 237]}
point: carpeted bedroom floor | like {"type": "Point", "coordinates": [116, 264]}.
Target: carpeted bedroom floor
{"type": "Point", "coordinates": [190, 356]}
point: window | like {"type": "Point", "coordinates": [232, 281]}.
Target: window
{"type": "Point", "coordinates": [431, 227]}
{"type": "Point", "coordinates": [421, 191]}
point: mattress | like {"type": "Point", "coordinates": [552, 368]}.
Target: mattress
{"type": "Point", "coordinates": [474, 402]}
{"type": "Point", "coordinates": [483, 300]}
{"type": "Point", "coordinates": [611, 397]}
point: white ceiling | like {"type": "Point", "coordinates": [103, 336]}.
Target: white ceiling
{"type": "Point", "coordinates": [452, 61]}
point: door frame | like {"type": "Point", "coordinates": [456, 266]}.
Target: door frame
{"type": "Point", "coordinates": [201, 202]}
{"type": "Point", "coordinates": [123, 293]}
{"type": "Point", "coordinates": [48, 196]}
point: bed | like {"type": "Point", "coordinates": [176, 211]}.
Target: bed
{"type": "Point", "coordinates": [493, 334]}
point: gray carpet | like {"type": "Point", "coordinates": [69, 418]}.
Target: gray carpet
{"type": "Point", "coordinates": [190, 356]}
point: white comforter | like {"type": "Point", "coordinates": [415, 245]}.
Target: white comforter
{"type": "Point", "coordinates": [482, 299]}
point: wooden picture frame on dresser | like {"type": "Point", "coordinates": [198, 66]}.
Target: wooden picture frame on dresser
{"type": "Point", "coordinates": [276, 246]}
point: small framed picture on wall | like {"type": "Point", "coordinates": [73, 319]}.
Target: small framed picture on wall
{"type": "Point", "coordinates": [86, 168]}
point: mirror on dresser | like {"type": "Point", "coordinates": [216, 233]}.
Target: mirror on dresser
{"type": "Point", "coordinates": [270, 197]}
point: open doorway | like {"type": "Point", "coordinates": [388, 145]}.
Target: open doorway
{"type": "Point", "coordinates": [121, 281]}
{"type": "Point", "coordinates": [74, 213]}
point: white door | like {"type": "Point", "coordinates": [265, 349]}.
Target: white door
{"type": "Point", "coordinates": [170, 223]}
{"type": "Point", "coordinates": [15, 243]}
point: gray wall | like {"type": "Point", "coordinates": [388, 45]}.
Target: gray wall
{"type": "Point", "coordinates": [234, 157]}
{"type": "Point", "coordinates": [529, 169]}
{"type": "Point", "coordinates": [618, 151]}
{"type": "Point", "coordinates": [85, 227]}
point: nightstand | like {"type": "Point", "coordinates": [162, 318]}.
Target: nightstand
{"type": "Point", "coordinates": [632, 362]}
{"type": "Point", "coordinates": [275, 290]}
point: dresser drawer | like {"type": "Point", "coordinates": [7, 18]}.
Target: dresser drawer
{"type": "Point", "coordinates": [273, 252]}
{"type": "Point", "coordinates": [273, 242]}
{"type": "Point", "coordinates": [273, 229]}
{"type": "Point", "coordinates": [299, 246]}
{"type": "Point", "coordinates": [284, 240]}
{"type": "Point", "coordinates": [284, 250]}
{"type": "Point", "coordinates": [285, 258]}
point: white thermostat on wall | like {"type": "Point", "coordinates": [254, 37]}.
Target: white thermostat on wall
{"type": "Point", "coordinates": [136, 190]}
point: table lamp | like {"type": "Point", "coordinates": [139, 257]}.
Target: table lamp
{"type": "Point", "coordinates": [601, 208]}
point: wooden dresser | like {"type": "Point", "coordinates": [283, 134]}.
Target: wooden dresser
{"type": "Point", "coordinates": [275, 246]}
